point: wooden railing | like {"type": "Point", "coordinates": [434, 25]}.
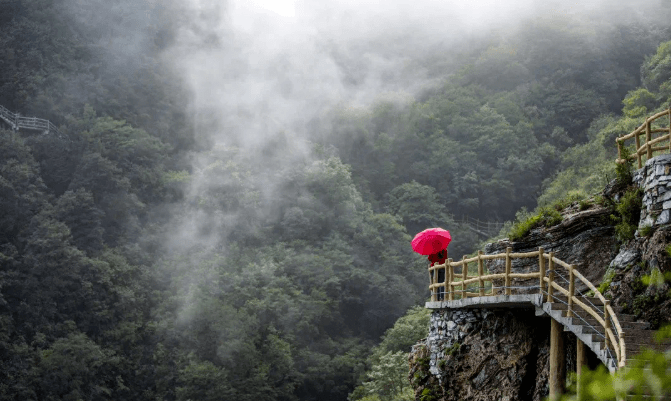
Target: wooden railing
{"type": "Point", "coordinates": [16, 121]}
{"type": "Point", "coordinates": [456, 285]}
{"type": "Point", "coordinates": [650, 143]}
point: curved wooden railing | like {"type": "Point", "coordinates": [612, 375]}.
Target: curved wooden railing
{"type": "Point", "coordinates": [651, 143]}
{"type": "Point", "coordinates": [455, 285]}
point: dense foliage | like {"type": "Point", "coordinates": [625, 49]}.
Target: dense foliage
{"type": "Point", "coordinates": [140, 260]}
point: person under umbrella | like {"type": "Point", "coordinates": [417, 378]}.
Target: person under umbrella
{"type": "Point", "coordinates": [433, 242]}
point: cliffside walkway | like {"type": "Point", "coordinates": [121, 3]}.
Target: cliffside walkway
{"type": "Point", "coordinates": [486, 229]}
{"type": "Point", "coordinates": [554, 289]}
{"type": "Point", "coordinates": [551, 288]}
{"type": "Point", "coordinates": [649, 137]}
{"type": "Point", "coordinates": [16, 122]}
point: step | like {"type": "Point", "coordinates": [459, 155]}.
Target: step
{"type": "Point", "coordinates": [618, 310]}
{"type": "Point", "coordinates": [635, 348]}
{"type": "Point", "coordinates": [591, 301]}
{"type": "Point", "coordinates": [626, 325]}
{"type": "Point", "coordinates": [633, 334]}
{"type": "Point", "coordinates": [643, 336]}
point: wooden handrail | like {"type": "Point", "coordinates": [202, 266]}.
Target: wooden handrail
{"type": "Point", "coordinates": [18, 121]}
{"type": "Point", "coordinates": [646, 149]}
{"type": "Point", "coordinates": [547, 262]}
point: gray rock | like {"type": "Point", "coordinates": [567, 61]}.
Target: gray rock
{"type": "Point", "coordinates": [625, 258]}
{"type": "Point", "coordinates": [663, 218]}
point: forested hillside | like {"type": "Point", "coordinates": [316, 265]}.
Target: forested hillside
{"type": "Point", "coordinates": [176, 248]}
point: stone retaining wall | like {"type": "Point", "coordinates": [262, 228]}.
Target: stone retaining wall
{"type": "Point", "coordinates": [447, 328]}
{"type": "Point", "coordinates": [655, 180]}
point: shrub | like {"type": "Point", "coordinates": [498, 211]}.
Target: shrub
{"type": "Point", "coordinates": [545, 216]}
{"type": "Point", "coordinates": [624, 171]}
{"type": "Point", "coordinates": [629, 210]}
{"type": "Point", "coordinates": [646, 231]}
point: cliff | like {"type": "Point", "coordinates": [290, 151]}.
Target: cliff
{"type": "Point", "coordinates": [489, 354]}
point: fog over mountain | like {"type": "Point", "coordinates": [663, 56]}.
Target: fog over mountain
{"type": "Point", "coordinates": [231, 216]}
{"type": "Point", "coordinates": [256, 70]}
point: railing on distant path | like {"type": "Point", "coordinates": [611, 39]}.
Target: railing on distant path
{"type": "Point", "coordinates": [547, 284]}
{"type": "Point", "coordinates": [16, 121]}
{"type": "Point", "coordinates": [487, 229]}
{"type": "Point", "coordinates": [650, 145]}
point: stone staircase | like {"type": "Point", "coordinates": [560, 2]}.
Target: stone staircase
{"type": "Point", "coordinates": [637, 334]}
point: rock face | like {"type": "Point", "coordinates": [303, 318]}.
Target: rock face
{"type": "Point", "coordinates": [483, 355]}
{"type": "Point", "coordinates": [643, 257]}
{"type": "Point", "coordinates": [502, 354]}
{"type": "Point", "coordinates": [584, 238]}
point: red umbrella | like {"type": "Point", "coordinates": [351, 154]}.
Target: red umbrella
{"type": "Point", "coordinates": [431, 240]}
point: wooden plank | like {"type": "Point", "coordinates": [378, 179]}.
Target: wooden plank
{"type": "Point", "coordinates": [613, 340]}
{"type": "Point", "coordinates": [623, 349]}
{"type": "Point", "coordinates": [508, 267]}
{"type": "Point", "coordinates": [571, 290]}
{"type": "Point", "coordinates": [481, 282]}
{"type": "Point", "coordinates": [557, 377]}
{"type": "Point", "coordinates": [638, 153]}
{"type": "Point", "coordinates": [524, 255]}
{"type": "Point", "coordinates": [559, 288]}
{"type": "Point", "coordinates": [561, 263]}
{"type": "Point", "coordinates": [450, 271]}
{"type": "Point", "coordinates": [580, 361]}
{"type": "Point", "coordinates": [648, 138]}
{"type": "Point", "coordinates": [658, 139]}
{"type": "Point", "coordinates": [523, 275]}
{"type": "Point", "coordinates": [551, 276]}
{"type": "Point", "coordinates": [464, 273]}
{"type": "Point", "coordinates": [656, 116]}
{"type": "Point", "coordinates": [434, 277]}
{"type": "Point", "coordinates": [541, 267]}
{"type": "Point", "coordinates": [606, 325]}
{"type": "Point", "coordinates": [589, 310]}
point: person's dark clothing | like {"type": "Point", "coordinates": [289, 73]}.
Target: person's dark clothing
{"type": "Point", "coordinates": [438, 259]}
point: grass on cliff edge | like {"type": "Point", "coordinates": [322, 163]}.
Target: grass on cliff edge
{"type": "Point", "coordinates": [546, 216]}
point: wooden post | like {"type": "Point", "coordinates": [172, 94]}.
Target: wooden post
{"type": "Point", "coordinates": [648, 138]}
{"type": "Point", "coordinates": [450, 272]}
{"type": "Point", "coordinates": [464, 275]}
{"type": "Point", "coordinates": [580, 361]}
{"type": "Point", "coordinates": [622, 350]}
{"type": "Point", "coordinates": [481, 270]}
{"type": "Point", "coordinates": [508, 263]}
{"type": "Point", "coordinates": [571, 290]}
{"type": "Point", "coordinates": [557, 360]}
{"type": "Point", "coordinates": [606, 319]}
{"type": "Point", "coordinates": [432, 274]}
{"type": "Point", "coordinates": [638, 145]}
{"type": "Point", "coordinates": [551, 276]}
{"type": "Point", "coordinates": [541, 269]}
